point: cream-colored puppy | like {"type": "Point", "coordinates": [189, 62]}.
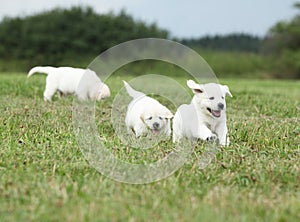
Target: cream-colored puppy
{"type": "Point", "coordinates": [145, 114]}
{"type": "Point", "coordinates": [68, 80]}
{"type": "Point", "coordinates": [205, 117]}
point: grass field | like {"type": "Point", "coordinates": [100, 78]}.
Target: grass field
{"type": "Point", "coordinates": [45, 177]}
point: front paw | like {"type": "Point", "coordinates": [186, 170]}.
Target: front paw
{"type": "Point", "coordinates": [212, 138]}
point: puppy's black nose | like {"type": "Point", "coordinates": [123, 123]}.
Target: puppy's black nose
{"type": "Point", "coordinates": [220, 105]}
{"type": "Point", "coordinates": [155, 125]}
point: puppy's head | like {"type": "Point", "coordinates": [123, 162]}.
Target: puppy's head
{"type": "Point", "coordinates": [103, 92]}
{"type": "Point", "coordinates": [210, 98]}
{"type": "Point", "coordinates": [157, 121]}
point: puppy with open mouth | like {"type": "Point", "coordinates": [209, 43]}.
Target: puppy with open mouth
{"type": "Point", "coordinates": [205, 117]}
{"type": "Point", "coordinates": [145, 114]}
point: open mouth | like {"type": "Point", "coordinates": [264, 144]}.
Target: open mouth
{"type": "Point", "coordinates": [155, 131]}
{"type": "Point", "coordinates": [215, 113]}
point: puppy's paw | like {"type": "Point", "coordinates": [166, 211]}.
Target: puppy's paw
{"type": "Point", "coordinates": [212, 138]}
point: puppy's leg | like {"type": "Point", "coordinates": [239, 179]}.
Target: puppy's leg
{"type": "Point", "coordinates": [139, 129]}
{"type": "Point", "coordinates": [177, 133]}
{"type": "Point", "coordinates": [51, 87]}
{"type": "Point", "coordinates": [49, 92]}
{"type": "Point", "coordinates": [222, 131]}
{"type": "Point", "coordinates": [82, 96]}
{"type": "Point", "coordinates": [176, 137]}
{"type": "Point", "coordinates": [204, 133]}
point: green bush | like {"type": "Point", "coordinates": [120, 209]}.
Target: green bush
{"type": "Point", "coordinates": [282, 44]}
{"type": "Point", "coordinates": [64, 34]}
{"type": "Point", "coordinates": [241, 64]}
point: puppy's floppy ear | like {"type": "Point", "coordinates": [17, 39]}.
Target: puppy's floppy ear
{"type": "Point", "coordinates": [169, 115]}
{"type": "Point", "coordinates": [226, 90]}
{"type": "Point", "coordinates": [194, 86]}
{"type": "Point", "coordinates": [142, 118]}
{"type": "Point", "coordinates": [145, 116]}
{"type": "Point", "coordinates": [103, 92]}
{"type": "Point", "coordinates": [99, 96]}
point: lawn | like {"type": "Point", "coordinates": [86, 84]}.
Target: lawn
{"type": "Point", "coordinates": [44, 176]}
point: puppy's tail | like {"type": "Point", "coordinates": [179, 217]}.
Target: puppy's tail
{"type": "Point", "coordinates": [133, 93]}
{"type": "Point", "coordinates": [40, 69]}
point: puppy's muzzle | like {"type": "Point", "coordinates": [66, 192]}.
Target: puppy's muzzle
{"type": "Point", "coordinates": [216, 113]}
{"type": "Point", "coordinates": [221, 106]}
{"type": "Point", "coordinates": [155, 125]}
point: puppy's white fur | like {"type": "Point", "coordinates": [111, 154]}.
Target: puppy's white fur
{"type": "Point", "coordinates": [146, 114]}
{"type": "Point", "coordinates": [205, 117]}
{"type": "Point", "coordinates": [68, 80]}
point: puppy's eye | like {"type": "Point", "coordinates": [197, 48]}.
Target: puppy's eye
{"type": "Point", "coordinates": [150, 118]}
{"type": "Point", "coordinates": [160, 118]}
{"type": "Point", "coordinates": [222, 97]}
{"type": "Point", "coordinates": [212, 98]}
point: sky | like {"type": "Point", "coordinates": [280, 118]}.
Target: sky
{"type": "Point", "coordinates": [183, 18]}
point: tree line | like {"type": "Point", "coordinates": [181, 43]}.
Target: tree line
{"type": "Point", "coordinates": [66, 33]}
{"type": "Point", "coordinates": [237, 42]}
{"type": "Point", "coordinates": [80, 33]}
{"type": "Point", "coordinates": [282, 45]}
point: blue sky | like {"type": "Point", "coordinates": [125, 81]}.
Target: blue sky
{"type": "Point", "coordinates": [183, 18]}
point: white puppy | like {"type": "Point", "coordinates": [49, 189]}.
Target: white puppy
{"type": "Point", "coordinates": [146, 114]}
{"type": "Point", "coordinates": [67, 80]}
{"type": "Point", "coordinates": [205, 117]}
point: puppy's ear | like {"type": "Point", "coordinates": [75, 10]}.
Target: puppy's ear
{"type": "Point", "coordinates": [169, 115]}
{"type": "Point", "coordinates": [99, 96]}
{"type": "Point", "coordinates": [103, 92]}
{"type": "Point", "coordinates": [142, 118]}
{"type": "Point", "coordinates": [194, 86]}
{"type": "Point", "coordinates": [145, 116]}
{"type": "Point", "coordinates": [226, 90]}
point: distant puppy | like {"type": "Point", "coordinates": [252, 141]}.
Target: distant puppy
{"type": "Point", "coordinates": [67, 80]}
{"type": "Point", "coordinates": [146, 114]}
{"type": "Point", "coordinates": [205, 117]}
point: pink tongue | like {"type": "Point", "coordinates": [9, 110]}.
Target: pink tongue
{"type": "Point", "coordinates": [216, 113]}
{"type": "Point", "coordinates": [155, 132]}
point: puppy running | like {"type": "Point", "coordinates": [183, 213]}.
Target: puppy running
{"type": "Point", "coordinates": [146, 114]}
{"type": "Point", "coordinates": [204, 118]}
{"type": "Point", "coordinates": [67, 80]}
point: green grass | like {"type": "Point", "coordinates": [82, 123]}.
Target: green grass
{"type": "Point", "coordinates": [45, 177]}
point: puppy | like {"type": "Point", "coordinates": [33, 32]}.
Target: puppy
{"type": "Point", "coordinates": [205, 117]}
{"type": "Point", "coordinates": [67, 80]}
{"type": "Point", "coordinates": [146, 114]}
